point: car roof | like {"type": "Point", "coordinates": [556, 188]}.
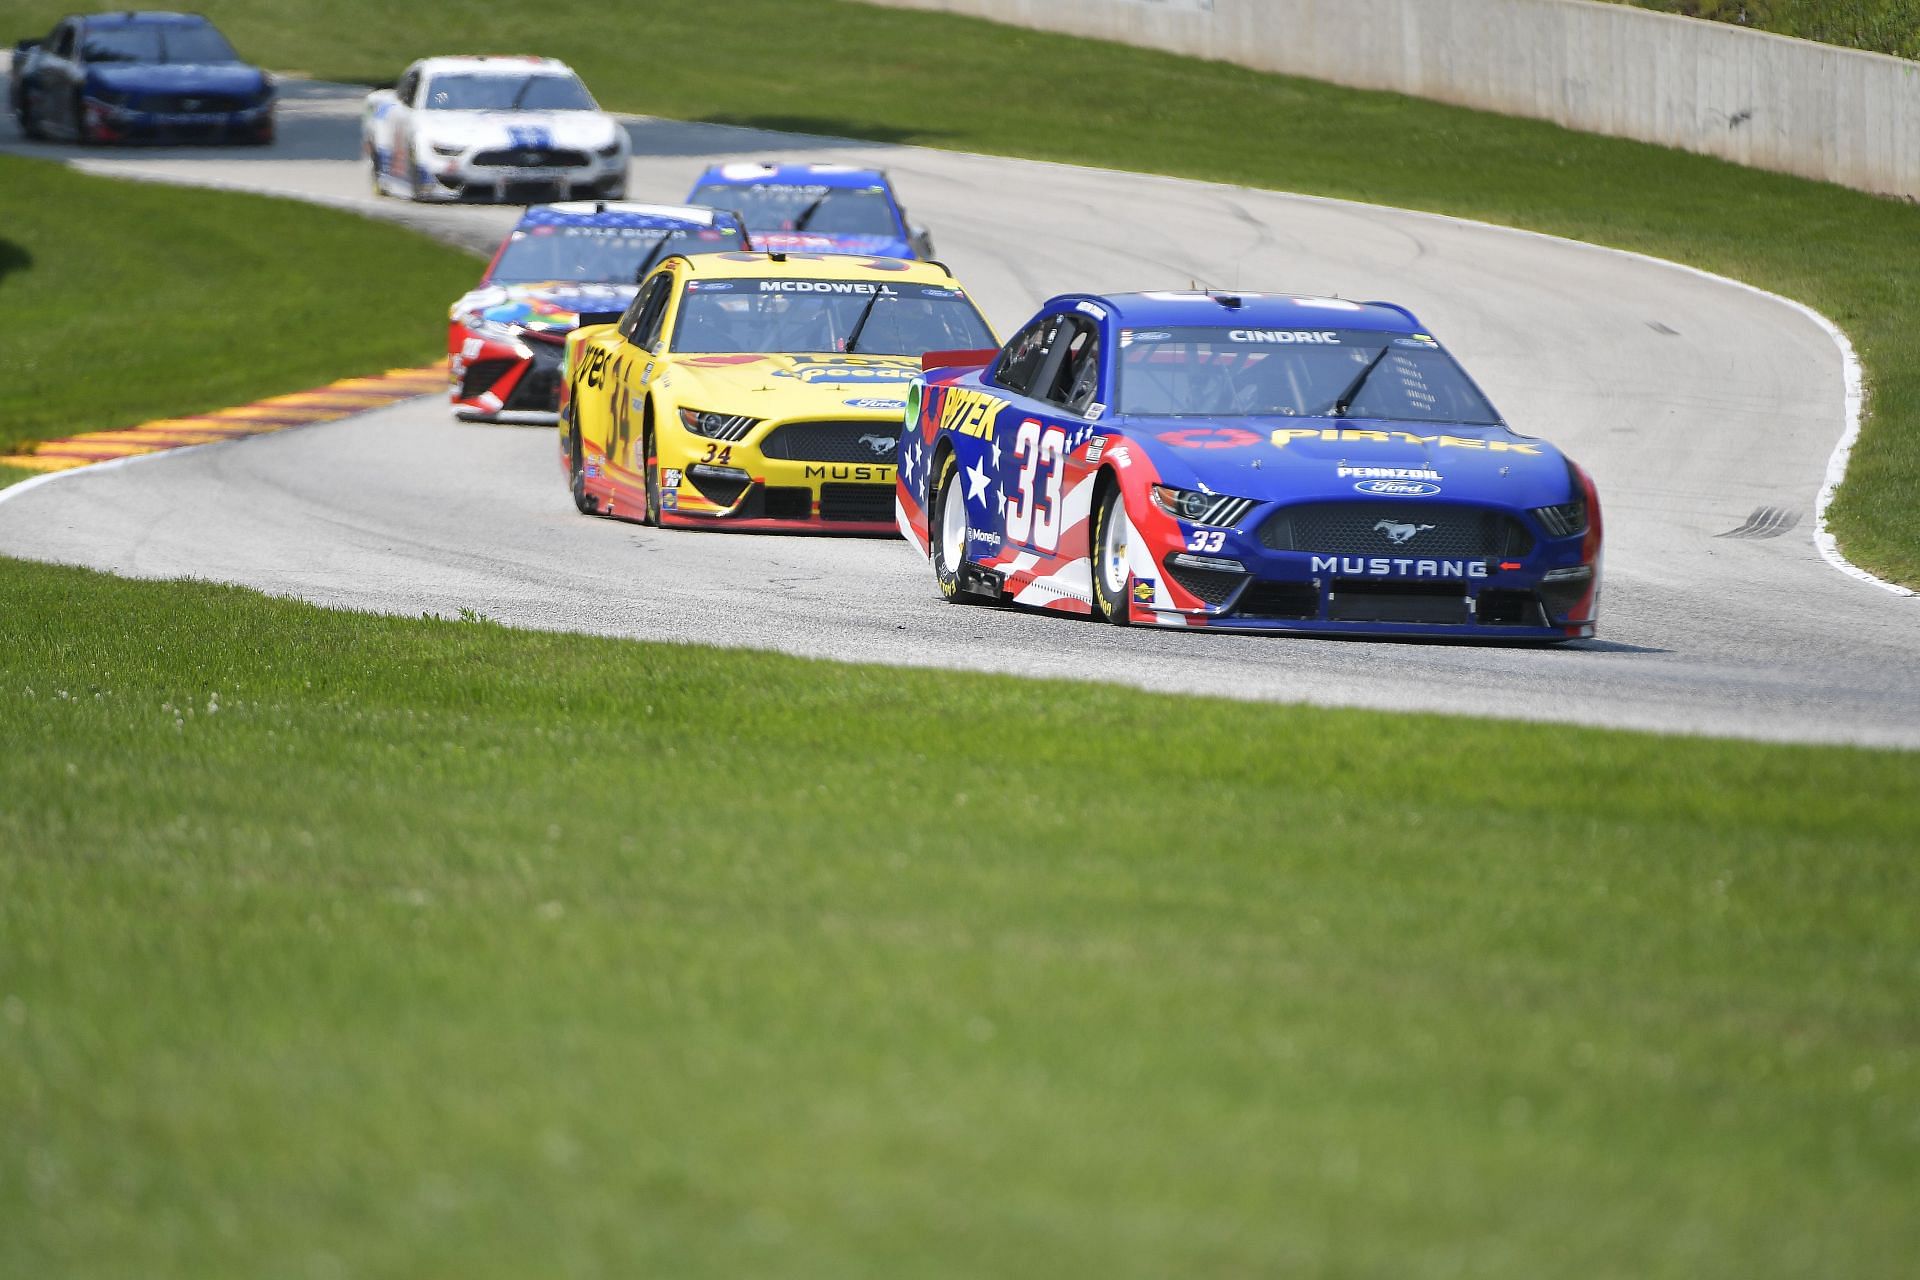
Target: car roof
{"type": "Point", "coordinates": [145, 17]}
{"type": "Point", "coordinates": [776, 173]}
{"type": "Point", "coordinates": [815, 266]}
{"type": "Point", "coordinates": [623, 213]}
{"type": "Point", "coordinates": [505, 64]}
{"type": "Point", "coordinates": [1216, 309]}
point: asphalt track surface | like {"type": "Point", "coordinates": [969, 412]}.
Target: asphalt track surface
{"type": "Point", "coordinates": [1701, 409]}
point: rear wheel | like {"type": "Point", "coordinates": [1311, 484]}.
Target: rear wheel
{"type": "Point", "coordinates": [1112, 578]}
{"type": "Point", "coordinates": [947, 531]}
{"type": "Point", "coordinates": [583, 502]}
{"type": "Point", "coordinates": [81, 133]}
{"type": "Point", "coordinates": [23, 112]}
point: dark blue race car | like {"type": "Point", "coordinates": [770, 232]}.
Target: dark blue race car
{"type": "Point", "coordinates": [1247, 461]}
{"type": "Point", "coordinates": [138, 77]}
{"type": "Point", "coordinates": [815, 208]}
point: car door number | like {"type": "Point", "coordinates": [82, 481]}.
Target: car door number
{"type": "Point", "coordinates": [1033, 513]}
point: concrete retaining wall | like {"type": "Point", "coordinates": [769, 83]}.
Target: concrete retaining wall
{"type": "Point", "coordinates": [1756, 99]}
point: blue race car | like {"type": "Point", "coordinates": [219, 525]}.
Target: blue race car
{"type": "Point", "coordinates": [1243, 461]}
{"type": "Point", "coordinates": [815, 208]}
{"type": "Point", "coordinates": [134, 76]}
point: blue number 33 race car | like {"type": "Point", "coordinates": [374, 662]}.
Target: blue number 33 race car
{"type": "Point", "coordinates": [1243, 461]}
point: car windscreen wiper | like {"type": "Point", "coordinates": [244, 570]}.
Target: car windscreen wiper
{"type": "Point", "coordinates": [859, 326]}
{"type": "Point", "coordinates": [520, 94]}
{"type": "Point", "coordinates": [1343, 401]}
{"type": "Point", "coordinates": [653, 256]}
{"type": "Point", "coordinates": [806, 215]}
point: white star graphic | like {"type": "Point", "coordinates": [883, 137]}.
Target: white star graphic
{"type": "Point", "coordinates": [1003, 502]}
{"type": "Point", "coordinates": [977, 480]}
{"type": "Point", "coordinates": [996, 455]}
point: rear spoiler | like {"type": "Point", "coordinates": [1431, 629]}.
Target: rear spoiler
{"type": "Point", "coordinates": [957, 359]}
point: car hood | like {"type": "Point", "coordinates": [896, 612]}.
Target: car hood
{"type": "Point", "coordinates": [829, 242]}
{"type": "Point", "coordinates": [552, 306]}
{"type": "Point", "coordinates": [763, 386]}
{"type": "Point", "coordinates": [1310, 458]}
{"type": "Point", "coordinates": [583, 129]}
{"type": "Point", "coordinates": [234, 78]}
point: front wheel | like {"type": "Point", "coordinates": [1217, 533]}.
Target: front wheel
{"type": "Point", "coordinates": [1112, 576]}
{"type": "Point", "coordinates": [947, 531]}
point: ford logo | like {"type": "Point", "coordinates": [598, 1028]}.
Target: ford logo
{"type": "Point", "coordinates": [1397, 488]}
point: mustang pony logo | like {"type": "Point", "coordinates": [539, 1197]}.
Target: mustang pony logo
{"type": "Point", "coordinates": [1400, 534]}
{"type": "Point", "coordinates": [880, 444]}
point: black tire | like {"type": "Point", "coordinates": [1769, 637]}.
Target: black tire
{"type": "Point", "coordinates": [1110, 602]}
{"type": "Point", "coordinates": [23, 113]}
{"type": "Point", "coordinates": [650, 466]}
{"type": "Point", "coordinates": [946, 569]}
{"type": "Point", "coordinates": [81, 134]}
{"type": "Point", "coordinates": [583, 502]}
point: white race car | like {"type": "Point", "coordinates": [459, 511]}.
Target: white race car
{"type": "Point", "coordinates": [516, 130]}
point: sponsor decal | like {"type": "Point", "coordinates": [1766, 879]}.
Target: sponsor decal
{"type": "Point", "coordinates": [880, 445]}
{"type": "Point", "coordinates": [670, 500]}
{"type": "Point", "coordinates": [1396, 567]}
{"type": "Point", "coordinates": [1130, 336]}
{"type": "Point", "coordinates": [853, 471]}
{"type": "Point", "coordinates": [1209, 438]}
{"type": "Point", "coordinates": [812, 369]}
{"type": "Point", "coordinates": [862, 287]}
{"type": "Point", "coordinates": [1281, 438]}
{"type": "Point", "coordinates": [878, 406]}
{"type": "Point", "coordinates": [1088, 308]}
{"type": "Point", "coordinates": [592, 467]}
{"type": "Point", "coordinates": [1397, 488]}
{"type": "Point", "coordinates": [1093, 411]}
{"type": "Point", "coordinates": [1314, 337]}
{"type": "Point", "coordinates": [1400, 534]}
{"type": "Point", "coordinates": [969, 413]}
{"type": "Point", "coordinates": [1143, 590]}
{"type": "Point", "coordinates": [1096, 448]}
{"type": "Point", "coordinates": [670, 478]}
{"type": "Point", "coordinates": [709, 286]}
{"type": "Point", "coordinates": [985, 537]}
{"type": "Point", "coordinates": [1389, 473]}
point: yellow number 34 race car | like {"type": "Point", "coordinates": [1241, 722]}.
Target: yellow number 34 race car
{"type": "Point", "coordinates": [756, 391]}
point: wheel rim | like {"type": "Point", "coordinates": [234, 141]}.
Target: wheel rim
{"type": "Point", "coordinates": [953, 523]}
{"type": "Point", "coordinates": [1113, 549]}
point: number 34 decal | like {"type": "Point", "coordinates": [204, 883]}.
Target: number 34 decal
{"type": "Point", "coordinates": [1206, 540]}
{"type": "Point", "coordinates": [1033, 512]}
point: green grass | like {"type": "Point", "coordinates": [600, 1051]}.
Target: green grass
{"type": "Point", "coordinates": [132, 302]}
{"type": "Point", "coordinates": [339, 945]}
{"type": "Point", "coordinates": [1879, 26]}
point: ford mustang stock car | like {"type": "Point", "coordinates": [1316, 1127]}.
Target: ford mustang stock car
{"type": "Point", "coordinates": [505, 338]}
{"type": "Point", "coordinates": [138, 76]}
{"type": "Point", "coordinates": [1247, 461]}
{"type": "Point", "coordinates": [513, 130]}
{"type": "Point", "coordinates": [756, 391]}
{"type": "Point", "coordinates": [815, 208]}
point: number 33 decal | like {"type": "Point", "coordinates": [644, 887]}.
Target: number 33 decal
{"type": "Point", "coordinates": [1033, 516]}
{"type": "Point", "coordinates": [1206, 540]}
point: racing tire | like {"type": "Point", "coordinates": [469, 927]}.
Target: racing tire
{"type": "Point", "coordinates": [82, 135]}
{"type": "Point", "coordinates": [583, 502]}
{"type": "Point", "coordinates": [650, 465]}
{"type": "Point", "coordinates": [947, 531]}
{"type": "Point", "coordinates": [23, 114]}
{"type": "Point", "coordinates": [1112, 580]}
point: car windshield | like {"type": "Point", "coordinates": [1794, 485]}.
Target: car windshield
{"type": "Point", "coordinates": [155, 42]}
{"type": "Point", "coordinates": [494, 91]}
{"type": "Point", "coordinates": [825, 315]}
{"type": "Point", "coordinates": [1295, 373]}
{"type": "Point", "coordinates": [601, 255]}
{"type": "Point", "coordinates": [802, 207]}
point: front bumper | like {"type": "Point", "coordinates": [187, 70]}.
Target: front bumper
{"type": "Point", "coordinates": [489, 376]}
{"type": "Point", "coordinates": [112, 122]}
{"type": "Point", "coordinates": [1537, 588]}
{"type": "Point", "coordinates": [815, 480]}
{"type": "Point", "coordinates": [459, 179]}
